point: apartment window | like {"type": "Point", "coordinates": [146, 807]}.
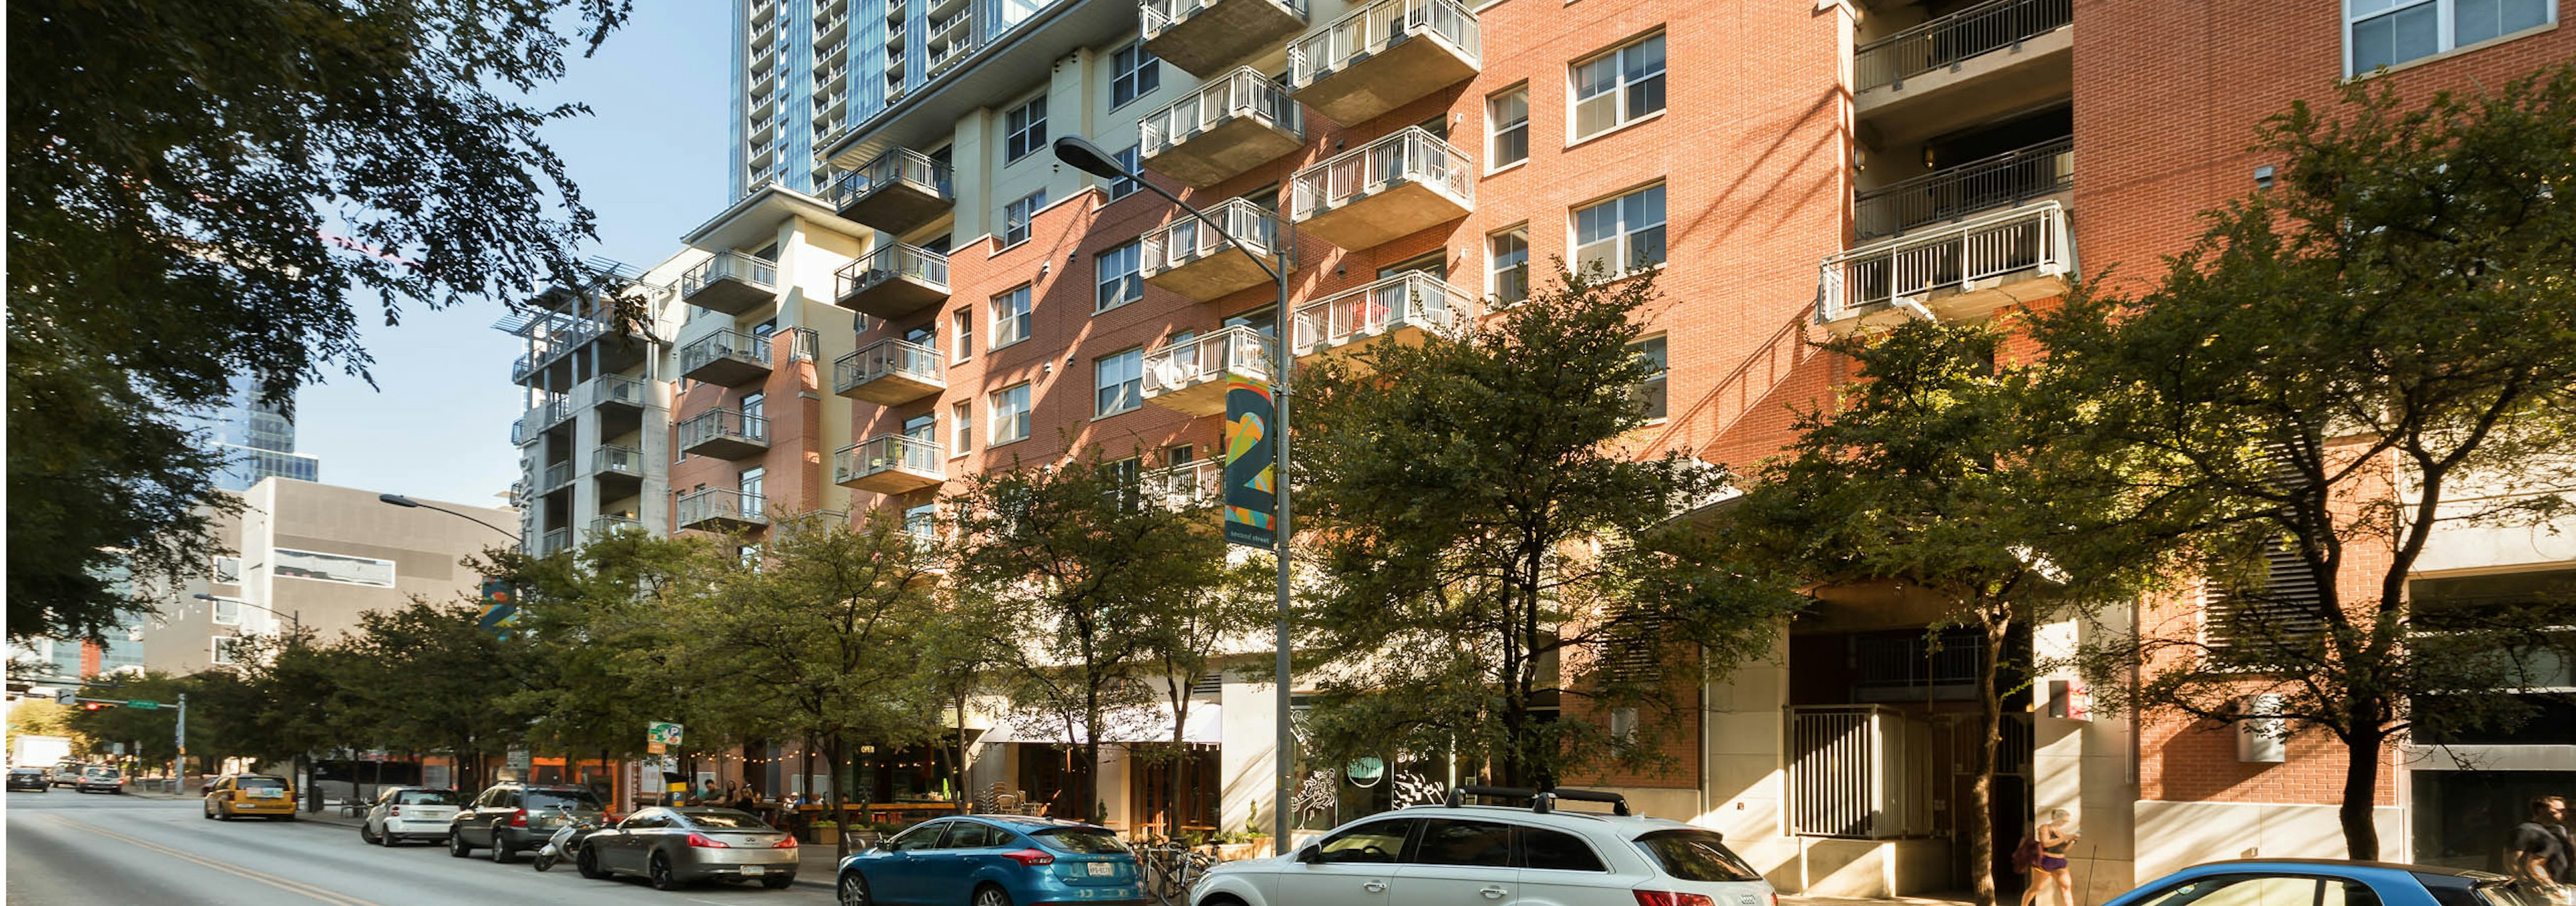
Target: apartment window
{"type": "Point", "coordinates": [755, 408]}
{"type": "Point", "coordinates": [226, 612]}
{"type": "Point", "coordinates": [228, 570]}
{"type": "Point", "coordinates": [223, 652]}
{"type": "Point", "coordinates": [2389, 32]}
{"type": "Point", "coordinates": [965, 334]}
{"type": "Point", "coordinates": [1507, 122]}
{"type": "Point", "coordinates": [1024, 129]}
{"type": "Point", "coordinates": [1011, 317]}
{"type": "Point", "coordinates": [1119, 382]}
{"type": "Point", "coordinates": [1618, 87]}
{"type": "Point", "coordinates": [1621, 234]}
{"type": "Point", "coordinates": [1135, 73]}
{"type": "Point", "coordinates": [961, 415]}
{"type": "Point", "coordinates": [1650, 392]}
{"type": "Point", "coordinates": [1120, 282]}
{"type": "Point", "coordinates": [1508, 274]}
{"type": "Point", "coordinates": [1017, 215]}
{"type": "Point", "coordinates": [1179, 455]}
{"type": "Point", "coordinates": [751, 481]}
{"type": "Point", "coordinates": [1011, 415]}
{"type": "Point", "coordinates": [1129, 476]}
{"type": "Point", "coordinates": [1124, 186]}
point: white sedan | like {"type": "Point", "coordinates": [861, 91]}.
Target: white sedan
{"type": "Point", "coordinates": [408, 813]}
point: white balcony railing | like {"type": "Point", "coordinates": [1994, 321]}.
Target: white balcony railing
{"type": "Point", "coordinates": [722, 504]}
{"type": "Point", "coordinates": [723, 425]}
{"type": "Point", "coordinates": [887, 358]}
{"type": "Point", "coordinates": [1415, 300]}
{"type": "Point", "coordinates": [1411, 155]}
{"type": "Point", "coordinates": [1963, 257]}
{"type": "Point", "coordinates": [1187, 484]}
{"type": "Point", "coordinates": [1185, 240]}
{"type": "Point", "coordinates": [730, 265]}
{"type": "Point", "coordinates": [886, 453]}
{"type": "Point", "coordinates": [1370, 30]}
{"type": "Point", "coordinates": [1244, 92]}
{"type": "Point", "coordinates": [1239, 349]}
{"type": "Point", "coordinates": [1158, 16]}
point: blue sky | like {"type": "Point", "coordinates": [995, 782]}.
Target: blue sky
{"type": "Point", "coordinates": [650, 159]}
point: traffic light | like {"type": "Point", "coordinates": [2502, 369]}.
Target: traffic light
{"type": "Point", "coordinates": [92, 706]}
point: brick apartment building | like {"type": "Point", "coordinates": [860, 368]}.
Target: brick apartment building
{"type": "Point", "coordinates": [957, 300]}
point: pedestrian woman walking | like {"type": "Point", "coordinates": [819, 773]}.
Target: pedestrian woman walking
{"type": "Point", "coordinates": [2053, 841]}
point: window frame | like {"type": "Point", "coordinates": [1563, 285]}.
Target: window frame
{"type": "Point", "coordinates": [1023, 318]}
{"type": "Point", "coordinates": [1130, 385]}
{"type": "Point", "coordinates": [1493, 260]}
{"type": "Point", "coordinates": [1619, 87]}
{"type": "Point", "coordinates": [2445, 31]}
{"type": "Point", "coordinates": [961, 429]}
{"type": "Point", "coordinates": [1130, 282]}
{"type": "Point", "coordinates": [965, 318]}
{"type": "Point", "coordinates": [1658, 384]}
{"type": "Point", "coordinates": [1016, 415]}
{"type": "Point", "coordinates": [1021, 215]}
{"type": "Point", "coordinates": [1122, 187]}
{"type": "Point", "coordinates": [1140, 71]}
{"type": "Point", "coordinates": [1024, 129]}
{"type": "Point", "coordinates": [1495, 129]}
{"type": "Point", "coordinates": [1625, 260]}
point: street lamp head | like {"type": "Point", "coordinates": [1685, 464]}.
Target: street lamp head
{"type": "Point", "coordinates": [1088, 158]}
{"type": "Point", "coordinates": [205, 597]}
{"type": "Point", "coordinates": [399, 500]}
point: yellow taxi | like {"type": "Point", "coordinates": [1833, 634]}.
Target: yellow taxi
{"type": "Point", "coordinates": [236, 795]}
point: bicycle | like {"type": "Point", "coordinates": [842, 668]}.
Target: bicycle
{"type": "Point", "coordinates": [1170, 870]}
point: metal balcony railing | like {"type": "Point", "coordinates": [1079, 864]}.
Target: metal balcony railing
{"type": "Point", "coordinates": [1243, 92]}
{"type": "Point", "coordinates": [1952, 39]}
{"type": "Point", "coordinates": [1158, 16]}
{"type": "Point", "coordinates": [1411, 299]}
{"type": "Point", "coordinates": [733, 265]}
{"type": "Point", "coordinates": [2029, 238]}
{"type": "Point", "coordinates": [554, 541]}
{"type": "Point", "coordinates": [2001, 181]}
{"type": "Point", "coordinates": [893, 260]}
{"type": "Point", "coordinates": [724, 344]}
{"type": "Point", "coordinates": [1239, 349]}
{"type": "Point", "coordinates": [887, 358]}
{"type": "Point", "coordinates": [554, 411]}
{"type": "Point", "coordinates": [556, 475]}
{"type": "Point", "coordinates": [1412, 155]}
{"type": "Point", "coordinates": [609, 525]}
{"type": "Point", "coordinates": [887, 452]}
{"type": "Point", "coordinates": [896, 166]}
{"type": "Point", "coordinates": [1370, 30]}
{"type": "Point", "coordinates": [1186, 484]}
{"type": "Point", "coordinates": [727, 504]}
{"type": "Point", "coordinates": [1186, 239]}
{"type": "Point", "coordinates": [610, 459]}
{"type": "Point", "coordinates": [723, 424]}
{"type": "Point", "coordinates": [520, 435]}
{"type": "Point", "coordinates": [617, 388]}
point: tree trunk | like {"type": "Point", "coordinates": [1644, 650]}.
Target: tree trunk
{"type": "Point", "coordinates": [965, 797]}
{"type": "Point", "coordinates": [1981, 806]}
{"type": "Point", "coordinates": [2360, 795]}
{"type": "Point", "coordinates": [832, 798]}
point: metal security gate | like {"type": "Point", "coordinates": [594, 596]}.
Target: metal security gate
{"type": "Point", "coordinates": [1861, 771]}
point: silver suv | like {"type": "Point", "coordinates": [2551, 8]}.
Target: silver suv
{"type": "Point", "coordinates": [1531, 855]}
{"type": "Point", "coordinates": [515, 817]}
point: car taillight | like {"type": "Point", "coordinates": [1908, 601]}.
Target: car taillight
{"type": "Point", "coordinates": [1030, 857]}
{"type": "Point", "coordinates": [394, 812]}
{"type": "Point", "coordinates": [519, 818]}
{"type": "Point", "coordinates": [613, 817]}
{"type": "Point", "coordinates": [1669, 898]}
{"type": "Point", "coordinates": [790, 843]}
{"type": "Point", "coordinates": [704, 841]}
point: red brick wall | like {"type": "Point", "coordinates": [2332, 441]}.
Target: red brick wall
{"type": "Point", "coordinates": [796, 462]}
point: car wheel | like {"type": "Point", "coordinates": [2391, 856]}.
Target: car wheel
{"type": "Point", "coordinates": [289, 816]}
{"type": "Point", "coordinates": [224, 812]}
{"type": "Point", "coordinates": [854, 890]}
{"type": "Point", "coordinates": [209, 808]}
{"type": "Point", "coordinates": [587, 862]}
{"type": "Point", "coordinates": [658, 871]}
{"type": "Point", "coordinates": [777, 882]}
{"type": "Point", "coordinates": [501, 853]}
{"type": "Point", "coordinates": [368, 835]}
{"type": "Point", "coordinates": [989, 895]}
{"type": "Point", "coordinates": [456, 845]}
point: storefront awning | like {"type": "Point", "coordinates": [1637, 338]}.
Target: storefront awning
{"type": "Point", "coordinates": [1130, 725]}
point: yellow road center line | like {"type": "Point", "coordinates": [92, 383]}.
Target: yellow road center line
{"type": "Point", "coordinates": [290, 886]}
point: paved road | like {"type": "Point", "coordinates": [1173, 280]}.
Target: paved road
{"type": "Point", "coordinates": [69, 849]}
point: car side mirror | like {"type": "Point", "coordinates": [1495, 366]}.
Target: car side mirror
{"type": "Point", "coordinates": [1311, 856]}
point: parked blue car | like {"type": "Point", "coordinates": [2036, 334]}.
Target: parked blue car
{"type": "Point", "coordinates": [2326, 882]}
{"type": "Point", "coordinates": [995, 860]}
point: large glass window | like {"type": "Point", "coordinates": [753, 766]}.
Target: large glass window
{"type": "Point", "coordinates": [1011, 317]}
{"type": "Point", "coordinates": [1017, 215]}
{"type": "Point", "coordinates": [1507, 121]}
{"type": "Point", "coordinates": [1135, 73]}
{"type": "Point", "coordinates": [1507, 276]}
{"type": "Point", "coordinates": [295, 564]}
{"type": "Point", "coordinates": [1618, 87]}
{"type": "Point", "coordinates": [1024, 129]}
{"type": "Point", "coordinates": [1120, 280]}
{"type": "Point", "coordinates": [2389, 32]}
{"type": "Point", "coordinates": [1011, 415]}
{"type": "Point", "coordinates": [1121, 382]}
{"type": "Point", "coordinates": [1622, 234]}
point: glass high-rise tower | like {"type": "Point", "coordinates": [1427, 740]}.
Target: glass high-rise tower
{"type": "Point", "coordinates": [257, 440]}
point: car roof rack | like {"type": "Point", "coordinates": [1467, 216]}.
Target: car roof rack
{"type": "Point", "coordinates": [1540, 801]}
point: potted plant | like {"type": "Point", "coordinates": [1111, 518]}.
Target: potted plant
{"type": "Point", "coordinates": [827, 832]}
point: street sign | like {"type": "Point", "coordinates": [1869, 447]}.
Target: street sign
{"type": "Point", "coordinates": [655, 748]}
{"type": "Point", "coordinates": [66, 695]}
{"type": "Point", "coordinates": [519, 759]}
{"type": "Point", "coordinates": [144, 704]}
{"type": "Point", "coordinates": [662, 732]}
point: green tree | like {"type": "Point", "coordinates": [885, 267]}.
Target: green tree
{"type": "Point", "coordinates": [1933, 472]}
{"type": "Point", "coordinates": [2375, 349]}
{"type": "Point", "coordinates": [427, 679]}
{"type": "Point", "coordinates": [189, 205]}
{"type": "Point", "coordinates": [1489, 554]}
{"type": "Point", "coordinates": [154, 730]}
{"type": "Point", "coordinates": [1080, 571]}
{"type": "Point", "coordinates": [597, 636]}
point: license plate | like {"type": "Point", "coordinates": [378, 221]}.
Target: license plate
{"type": "Point", "coordinates": [753, 871]}
{"type": "Point", "coordinates": [1101, 869]}
{"type": "Point", "coordinates": [268, 794]}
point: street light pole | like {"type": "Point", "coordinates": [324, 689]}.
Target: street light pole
{"type": "Point", "coordinates": [410, 504]}
{"type": "Point", "coordinates": [1087, 157]}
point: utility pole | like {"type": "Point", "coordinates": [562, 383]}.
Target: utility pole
{"type": "Point", "coordinates": [179, 762]}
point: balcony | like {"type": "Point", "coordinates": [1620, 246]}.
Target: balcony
{"type": "Point", "coordinates": [1187, 257]}
{"type": "Point", "coordinates": [1960, 272]}
{"type": "Point", "coordinates": [722, 510]}
{"type": "Point", "coordinates": [520, 434]}
{"type": "Point", "coordinates": [1387, 189]}
{"type": "Point", "coordinates": [726, 358]}
{"type": "Point", "coordinates": [1189, 376]}
{"type": "Point", "coordinates": [894, 281]}
{"type": "Point", "coordinates": [613, 461]}
{"type": "Point", "coordinates": [811, 522]}
{"type": "Point", "coordinates": [1237, 121]}
{"type": "Point", "coordinates": [889, 372]}
{"type": "Point", "coordinates": [731, 283]}
{"type": "Point", "coordinates": [897, 192]}
{"type": "Point", "coordinates": [555, 475]}
{"type": "Point", "coordinates": [618, 391]}
{"type": "Point", "coordinates": [2005, 180]}
{"type": "Point", "coordinates": [1203, 36]}
{"type": "Point", "coordinates": [724, 434]}
{"type": "Point", "coordinates": [1951, 70]}
{"type": "Point", "coordinates": [1397, 309]}
{"type": "Point", "coordinates": [1381, 56]}
{"type": "Point", "coordinates": [1186, 485]}
{"type": "Point", "coordinates": [554, 541]}
{"type": "Point", "coordinates": [889, 464]}
{"type": "Point", "coordinates": [605, 526]}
